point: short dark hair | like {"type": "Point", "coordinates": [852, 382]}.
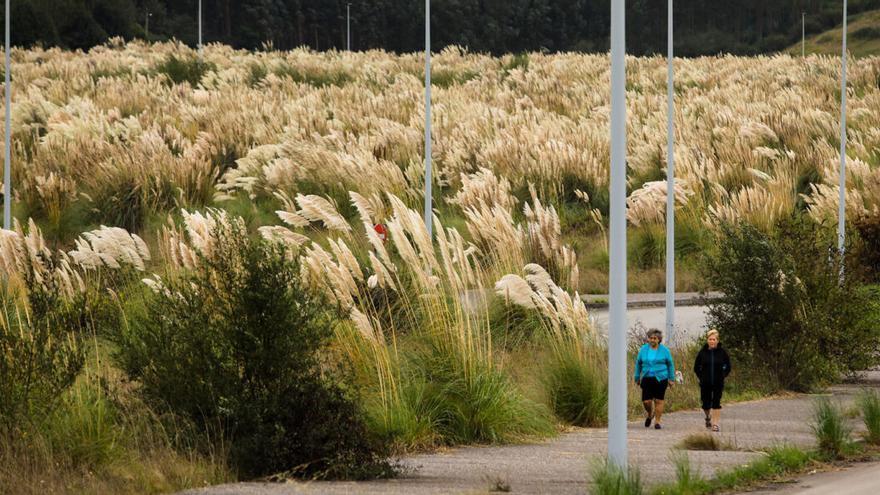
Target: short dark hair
{"type": "Point", "coordinates": [653, 332]}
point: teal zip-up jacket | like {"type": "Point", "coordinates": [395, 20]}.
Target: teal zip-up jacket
{"type": "Point", "coordinates": [657, 363]}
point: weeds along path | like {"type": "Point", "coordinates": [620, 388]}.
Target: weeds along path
{"type": "Point", "coordinates": [561, 465]}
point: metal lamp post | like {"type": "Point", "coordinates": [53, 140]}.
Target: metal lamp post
{"type": "Point", "coordinates": [200, 29]}
{"type": "Point", "coordinates": [147, 26]}
{"type": "Point", "coordinates": [803, 34]}
{"type": "Point", "coordinates": [841, 215]}
{"type": "Point", "coordinates": [670, 182]}
{"type": "Point", "coordinates": [617, 451]}
{"type": "Point", "coordinates": [348, 26]}
{"type": "Point", "coordinates": [428, 209]}
{"type": "Point", "coordinates": [7, 169]}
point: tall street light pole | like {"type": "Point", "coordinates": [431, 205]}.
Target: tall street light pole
{"type": "Point", "coordinates": [803, 34]}
{"type": "Point", "coordinates": [841, 215]}
{"type": "Point", "coordinates": [7, 169]}
{"type": "Point", "coordinates": [670, 182]}
{"type": "Point", "coordinates": [428, 208]}
{"type": "Point", "coordinates": [617, 451]}
{"type": "Point", "coordinates": [348, 26]}
{"type": "Point", "coordinates": [147, 26]}
{"type": "Point", "coordinates": [200, 29]}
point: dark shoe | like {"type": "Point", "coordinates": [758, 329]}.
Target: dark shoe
{"type": "Point", "coordinates": [648, 420]}
{"type": "Point", "coordinates": [708, 422]}
{"type": "Point", "coordinates": [657, 426]}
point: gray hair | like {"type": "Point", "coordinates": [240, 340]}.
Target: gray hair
{"type": "Point", "coordinates": [653, 332]}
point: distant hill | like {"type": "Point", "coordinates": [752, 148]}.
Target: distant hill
{"type": "Point", "coordinates": [863, 38]}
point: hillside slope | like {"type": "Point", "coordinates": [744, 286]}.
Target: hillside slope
{"type": "Point", "coordinates": [863, 37]}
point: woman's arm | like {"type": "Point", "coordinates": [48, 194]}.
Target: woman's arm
{"type": "Point", "coordinates": [638, 373]}
{"type": "Point", "coordinates": [698, 364]}
{"type": "Point", "coordinates": [725, 365]}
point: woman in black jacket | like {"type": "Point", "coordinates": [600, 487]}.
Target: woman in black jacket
{"type": "Point", "coordinates": [712, 366]}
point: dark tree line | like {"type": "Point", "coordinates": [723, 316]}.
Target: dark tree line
{"type": "Point", "coordinates": [495, 26]}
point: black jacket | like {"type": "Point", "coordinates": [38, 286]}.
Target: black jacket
{"type": "Point", "coordinates": [712, 366]}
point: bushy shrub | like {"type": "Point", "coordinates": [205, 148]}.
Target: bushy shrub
{"type": "Point", "coordinates": [577, 389]}
{"type": "Point", "coordinates": [475, 402]}
{"type": "Point", "coordinates": [785, 309]}
{"type": "Point", "coordinates": [868, 253]}
{"type": "Point", "coordinates": [41, 332]}
{"type": "Point", "coordinates": [237, 343]}
{"type": "Point", "coordinates": [40, 356]}
{"type": "Point", "coordinates": [180, 69]}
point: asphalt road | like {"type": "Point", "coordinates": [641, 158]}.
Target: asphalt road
{"type": "Point", "coordinates": [690, 321]}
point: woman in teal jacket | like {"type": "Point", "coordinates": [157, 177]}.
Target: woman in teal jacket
{"type": "Point", "coordinates": [654, 369]}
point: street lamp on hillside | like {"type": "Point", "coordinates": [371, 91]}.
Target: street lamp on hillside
{"type": "Point", "coordinates": [841, 214]}
{"type": "Point", "coordinates": [200, 29]}
{"type": "Point", "coordinates": [7, 168]}
{"type": "Point", "coordinates": [803, 34]}
{"type": "Point", "coordinates": [428, 205]}
{"type": "Point", "coordinates": [147, 25]}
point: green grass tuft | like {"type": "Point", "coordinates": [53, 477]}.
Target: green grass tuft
{"type": "Point", "coordinates": [610, 479]}
{"type": "Point", "coordinates": [703, 441]}
{"type": "Point", "coordinates": [779, 460]}
{"type": "Point", "coordinates": [830, 428]}
{"type": "Point", "coordinates": [688, 481]}
{"type": "Point", "coordinates": [869, 402]}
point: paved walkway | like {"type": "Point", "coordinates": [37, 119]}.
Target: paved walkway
{"type": "Point", "coordinates": [560, 465]}
{"type": "Point", "coordinates": [859, 479]}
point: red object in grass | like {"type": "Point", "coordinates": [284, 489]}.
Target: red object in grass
{"type": "Point", "coordinates": [382, 230]}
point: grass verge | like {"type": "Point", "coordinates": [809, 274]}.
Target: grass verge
{"type": "Point", "coordinates": [779, 461]}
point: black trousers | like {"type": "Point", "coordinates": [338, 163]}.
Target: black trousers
{"type": "Point", "coordinates": [710, 395]}
{"type": "Point", "coordinates": [653, 389]}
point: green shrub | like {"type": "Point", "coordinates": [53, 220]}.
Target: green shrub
{"type": "Point", "coordinates": [479, 404]}
{"type": "Point", "coordinates": [125, 197]}
{"type": "Point", "coordinates": [517, 61]}
{"type": "Point", "coordinates": [869, 403]}
{"type": "Point", "coordinates": [647, 247]}
{"type": "Point", "coordinates": [318, 79]}
{"type": "Point", "coordinates": [866, 33]}
{"type": "Point", "coordinates": [577, 390]}
{"type": "Point", "coordinates": [513, 326]}
{"type": "Point", "coordinates": [448, 78]}
{"type": "Point", "coordinates": [830, 428]}
{"type": "Point", "coordinates": [184, 69]}
{"type": "Point", "coordinates": [237, 343]}
{"type": "Point", "coordinates": [868, 249]}
{"type": "Point", "coordinates": [85, 426]}
{"type": "Point", "coordinates": [39, 359]}
{"type": "Point", "coordinates": [785, 309]}
{"type": "Point", "coordinates": [40, 344]}
{"type": "Point", "coordinates": [411, 420]}
{"type": "Point", "coordinates": [610, 479]}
